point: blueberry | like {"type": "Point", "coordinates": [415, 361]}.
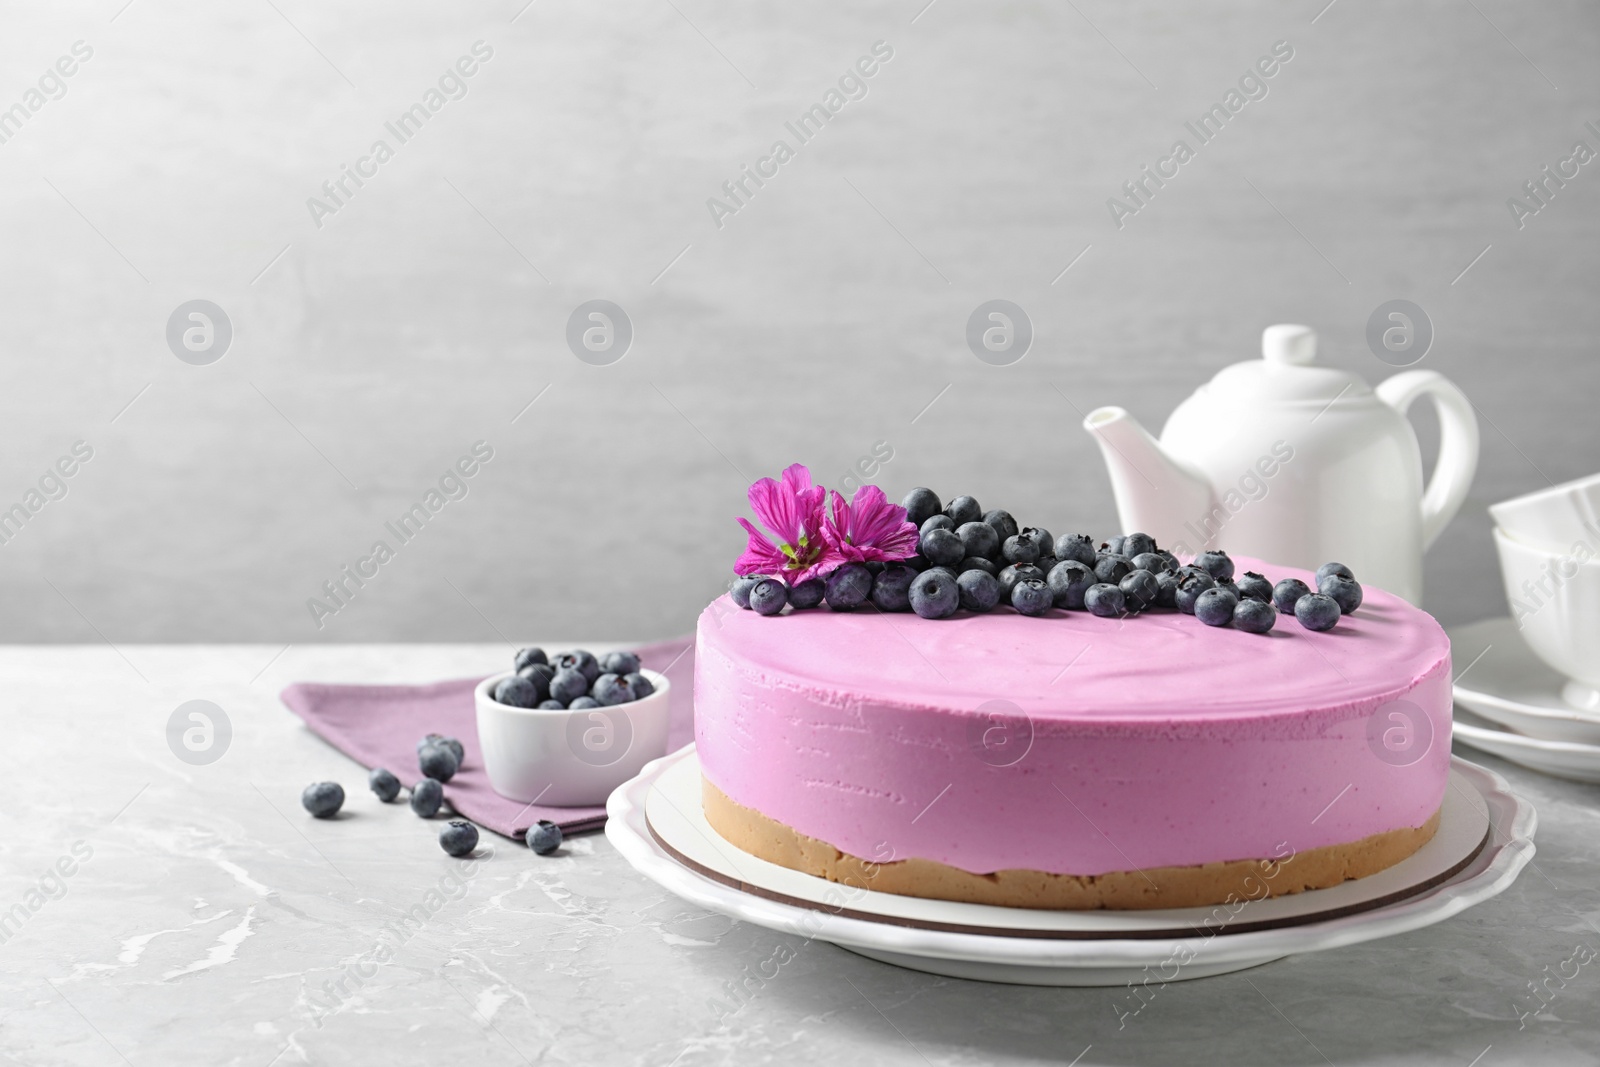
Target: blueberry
{"type": "Point", "coordinates": [1004, 525]}
{"type": "Point", "coordinates": [1113, 546]}
{"type": "Point", "coordinates": [1317, 611]}
{"type": "Point", "coordinates": [1214, 607]}
{"type": "Point", "coordinates": [1030, 596]}
{"type": "Point", "coordinates": [1137, 544]}
{"type": "Point", "coordinates": [1153, 562]}
{"type": "Point", "coordinates": [1333, 568]}
{"type": "Point", "coordinates": [323, 799]}
{"type": "Point", "coordinates": [1167, 589]}
{"type": "Point", "coordinates": [568, 686]}
{"type": "Point", "coordinates": [963, 509]}
{"type": "Point", "coordinates": [918, 563]}
{"type": "Point", "coordinates": [426, 796]}
{"type": "Point", "coordinates": [517, 691]}
{"type": "Point", "coordinates": [1018, 549]}
{"type": "Point", "coordinates": [1105, 600]}
{"type": "Point", "coordinates": [1172, 561]}
{"type": "Point", "coordinates": [640, 684]}
{"type": "Point", "coordinates": [891, 590]}
{"type": "Point", "coordinates": [978, 590]}
{"type": "Point", "coordinates": [1231, 587]}
{"type": "Point", "coordinates": [1069, 579]}
{"type": "Point", "coordinates": [949, 572]}
{"type": "Point", "coordinates": [583, 703]}
{"type": "Point", "coordinates": [438, 762]}
{"type": "Point", "coordinates": [875, 566]}
{"type": "Point", "coordinates": [527, 657]}
{"type": "Point", "coordinates": [551, 704]}
{"type": "Point", "coordinates": [1345, 591]}
{"type": "Point", "coordinates": [458, 837]}
{"type": "Point", "coordinates": [1254, 616]}
{"type": "Point", "coordinates": [937, 522]}
{"type": "Point", "coordinates": [977, 563]}
{"type": "Point", "coordinates": [1010, 576]}
{"type": "Point", "coordinates": [584, 662]}
{"type": "Point", "coordinates": [539, 674]}
{"type": "Point", "coordinates": [618, 663]}
{"type": "Point", "coordinates": [1075, 546]}
{"type": "Point", "coordinates": [921, 505]}
{"type": "Point", "coordinates": [942, 547]}
{"type": "Point", "coordinates": [767, 598]}
{"type": "Point", "coordinates": [1111, 568]}
{"type": "Point", "coordinates": [1041, 539]}
{"type": "Point", "coordinates": [1287, 593]}
{"type": "Point", "coordinates": [848, 587]}
{"type": "Point", "coordinates": [1190, 586]}
{"type": "Point", "coordinates": [1217, 564]}
{"type": "Point", "coordinates": [806, 594]}
{"type": "Point", "coordinates": [1255, 587]}
{"type": "Point", "coordinates": [545, 837]}
{"type": "Point", "coordinates": [934, 595]}
{"type": "Point", "coordinates": [739, 588]}
{"type": "Point", "coordinates": [979, 539]}
{"type": "Point", "coordinates": [1139, 590]}
{"type": "Point", "coordinates": [612, 690]}
{"type": "Point", "coordinates": [448, 742]}
{"type": "Point", "coordinates": [1046, 562]}
{"type": "Point", "coordinates": [384, 784]}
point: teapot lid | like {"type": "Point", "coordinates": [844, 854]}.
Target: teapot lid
{"type": "Point", "coordinates": [1287, 371]}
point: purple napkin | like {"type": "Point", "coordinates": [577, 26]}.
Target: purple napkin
{"type": "Point", "coordinates": [379, 726]}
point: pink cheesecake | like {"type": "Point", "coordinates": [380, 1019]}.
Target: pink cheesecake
{"type": "Point", "coordinates": [1071, 761]}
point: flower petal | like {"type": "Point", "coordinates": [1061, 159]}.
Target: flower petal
{"type": "Point", "coordinates": [760, 556]}
{"type": "Point", "coordinates": [778, 509]}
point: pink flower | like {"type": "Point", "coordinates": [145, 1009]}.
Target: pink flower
{"type": "Point", "coordinates": [792, 511]}
{"type": "Point", "coordinates": [868, 528]}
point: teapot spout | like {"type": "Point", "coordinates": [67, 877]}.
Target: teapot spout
{"type": "Point", "coordinates": [1156, 493]}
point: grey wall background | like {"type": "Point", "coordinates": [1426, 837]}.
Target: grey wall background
{"type": "Point", "coordinates": [425, 315]}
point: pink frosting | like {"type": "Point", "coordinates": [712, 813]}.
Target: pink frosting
{"type": "Point", "coordinates": [1075, 744]}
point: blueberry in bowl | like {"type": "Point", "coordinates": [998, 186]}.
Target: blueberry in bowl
{"type": "Point", "coordinates": [588, 736]}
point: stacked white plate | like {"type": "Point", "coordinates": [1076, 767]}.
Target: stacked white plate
{"type": "Point", "coordinates": [1485, 838]}
{"type": "Point", "coordinates": [1508, 702]}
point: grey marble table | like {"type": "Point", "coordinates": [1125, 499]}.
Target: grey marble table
{"type": "Point", "coordinates": [161, 912]}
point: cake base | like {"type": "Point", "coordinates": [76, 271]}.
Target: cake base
{"type": "Point", "coordinates": [1227, 882]}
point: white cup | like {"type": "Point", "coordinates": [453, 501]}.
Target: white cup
{"type": "Point", "coordinates": [569, 758]}
{"type": "Point", "coordinates": [1553, 518]}
{"type": "Point", "coordinates": [1555, 600]}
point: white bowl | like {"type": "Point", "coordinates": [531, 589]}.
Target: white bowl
{"type": "Point", "coordinates": [1555, 601]}
{"type": "Point", "coordinates": [1553, 518]}
{"type": "Point", "coordinates": [569, 758]}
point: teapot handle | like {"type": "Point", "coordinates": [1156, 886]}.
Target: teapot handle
{"type": "Point", "coordinates": [1458, 443]}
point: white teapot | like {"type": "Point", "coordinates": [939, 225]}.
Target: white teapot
{"type": "Point", "coordinates": [1296, 464]}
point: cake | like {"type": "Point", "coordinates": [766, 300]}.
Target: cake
{"type": "Point", "coordinates": [1072, 761]}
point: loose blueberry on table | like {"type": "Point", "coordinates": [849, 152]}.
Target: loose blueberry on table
{"type": "Point", "coordinates": [458, 837]}
{"type": "Point", "coordinates": [384, 784]}
{"type": "Point", "coordinates": [544, 837]}
{"type": "Point", "coordinates": [323, 799]}
{"type": "Point", "coordinates": [426, 798]}
{"type": "Point", "coordinates": [438, 762]}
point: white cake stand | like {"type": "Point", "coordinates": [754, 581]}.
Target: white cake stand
{"type": "Point", "coordinates": [1485, 838]}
